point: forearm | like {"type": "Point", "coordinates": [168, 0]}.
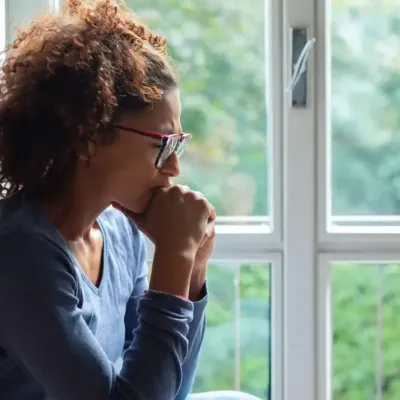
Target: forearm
{"type": "Point", "coordinates": [160, 347]}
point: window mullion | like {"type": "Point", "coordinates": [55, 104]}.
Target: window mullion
{"type": "Point", "coordinates": [299, 222]}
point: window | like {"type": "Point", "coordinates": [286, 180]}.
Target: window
{"type": "Point", "coordinates": [363, 109]}
{"type": "Point", "coordinates": [361, 333]}
{"type": "Point", "coordinates": [20, 12]}
{"type": "Point", "coordinates": [358, 259]}
{"type": "Point", "coordinates": [3, 25]}
{"type": "Point", "coordinates": [365, 306]}
{"type": "Point", "coordinates": [236, 352]}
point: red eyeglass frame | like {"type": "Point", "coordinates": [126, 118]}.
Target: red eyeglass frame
{"type": "Point", "coordinates": [163, 137]}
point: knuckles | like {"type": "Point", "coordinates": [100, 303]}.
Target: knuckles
{"type": "Point", "coordinates": [184, 195]}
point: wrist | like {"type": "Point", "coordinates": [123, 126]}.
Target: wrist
{"type": "Point", "coordinates": [171, 272]}
{"type": "Point", "coordinates": [196, 291]}
{"type": "Point", "coordinates": [197, 282]}
{"type": "Point", "coordinates": [177, 252]}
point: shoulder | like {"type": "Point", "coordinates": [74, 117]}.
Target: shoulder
{"type": "Point", "coordinates": [31, 245]}
{"type": "Point", "coordinates": [26, 232]}
{"type": "Point", "coordinates": [30, 259]}
{"type": "Point", "coordinates": [25, 229]}
{"type": "Point", "coordinates": [22, 220]}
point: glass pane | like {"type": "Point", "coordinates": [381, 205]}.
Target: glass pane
{"type": "Point", "coordinates": [2, 27]}
{"type": "Point", "coordinates": [20, 13]}
{"type": "Point", "coordinates": [366, 326]}
{"type": "Point", "coordinates": [364, 103]}
{"type": "Point", "coordinates": [236, 352]}
{"type": "Point", "coordinates": [219, 49]}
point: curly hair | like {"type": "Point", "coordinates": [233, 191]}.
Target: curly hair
{"type": "Point", "coordinates": [65, 79]}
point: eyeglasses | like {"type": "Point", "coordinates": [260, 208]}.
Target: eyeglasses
{"type": "Point", "coordinates": [169, 143]}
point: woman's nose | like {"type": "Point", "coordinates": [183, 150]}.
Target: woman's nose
{"type": "Point", "coordinates": [171, 166]}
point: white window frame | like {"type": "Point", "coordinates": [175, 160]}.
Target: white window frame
{"type": "Point", "coordinates": [359, 232]}
{"type": "Point", "coordinates": [299, 220]}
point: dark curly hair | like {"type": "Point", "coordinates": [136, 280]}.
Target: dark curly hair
{"type": "Point", "coordinates": [65, 79]}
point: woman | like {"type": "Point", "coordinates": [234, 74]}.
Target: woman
{"type": "Point", "coordinates": [89, 118]}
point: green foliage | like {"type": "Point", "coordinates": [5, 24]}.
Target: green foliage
{"type": "Point", "coordinates": [219, 48]}
{"type": "Point", "coordinates": [359, 293]}
{"type": "Point", "coordinates": [365, 117]}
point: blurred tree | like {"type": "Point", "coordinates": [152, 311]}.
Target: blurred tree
{"type": "Point", "coordinates": [365, 100]}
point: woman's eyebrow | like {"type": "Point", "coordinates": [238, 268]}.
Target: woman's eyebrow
{"type": "Point", "coordinates": [167, 129]}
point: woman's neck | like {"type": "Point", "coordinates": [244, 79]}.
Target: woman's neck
{"type": "Point", "coordinates": [75, 211]}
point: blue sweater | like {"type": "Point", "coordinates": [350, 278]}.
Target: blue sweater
{"type": "Point", "coordinates": [60, 335]}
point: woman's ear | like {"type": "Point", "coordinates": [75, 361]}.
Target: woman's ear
{"type": "Point", "coordinates": [87, 146]}
{"type": "Point", "coordinates": [87, 150]}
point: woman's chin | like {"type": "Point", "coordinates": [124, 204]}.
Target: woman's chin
{"type": "Point", "coordinates": [141, 204]}
{"type": "Point", "coordinates": [136, 205]}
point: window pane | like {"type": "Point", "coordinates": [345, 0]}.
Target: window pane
{"type": "Point", "coordinates": [2, 27]}
{"type": "Point", "coordinates": [236, 352]}
{"type": "Point", "coordinates": [219, 49]}
{"type": "Point", "coordinates": [366, 326]}
{"type": "Point", "coordinates": [365, 102]}
{"type": "Point", "coordinates": [20, 13]}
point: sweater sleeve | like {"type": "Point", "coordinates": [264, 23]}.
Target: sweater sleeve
{"type": "Point", "coordinates": [195, 338]}
{"type": "Point", "coordinates": [42, 328]}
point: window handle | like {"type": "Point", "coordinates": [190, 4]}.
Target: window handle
{"type": "Point", "coordinates": [300, 47]}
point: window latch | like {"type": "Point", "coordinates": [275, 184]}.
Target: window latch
{"type": "Point", "coordinates": [301, 48]}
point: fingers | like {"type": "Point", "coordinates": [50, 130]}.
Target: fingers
{"type": "Point", "coordinates": [184, 188]}
{"type": "Point", "coordinates": [200, 195]}
{"type": "Point", "coordinates": [211, 208]}
{"type": "Point", "coordinates": [210, 230]}
{"type": "Point", "coordinates": [179, 190]}
{"type": "Point", "coordinates": [210, 233]}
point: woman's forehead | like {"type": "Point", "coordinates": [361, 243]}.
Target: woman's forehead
{"type": "Point", "coordinates": [164, 116]}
